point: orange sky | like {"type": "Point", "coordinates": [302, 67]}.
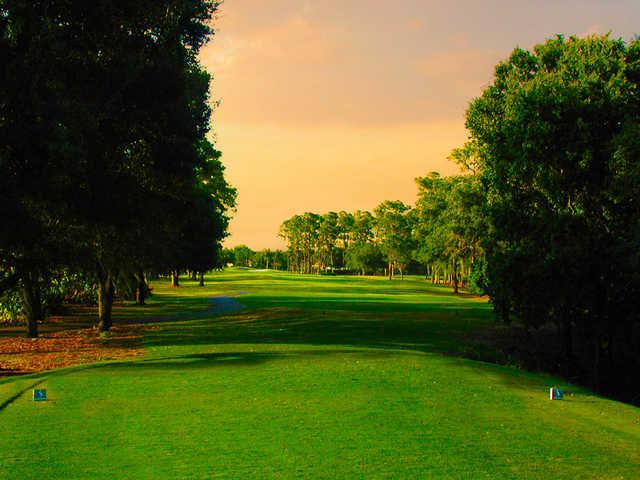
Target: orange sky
{"type": "Point", "coordinates": [339, 105]}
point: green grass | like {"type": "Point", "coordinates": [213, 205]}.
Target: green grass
{"type": "Point", "coordinates": [319, 377]}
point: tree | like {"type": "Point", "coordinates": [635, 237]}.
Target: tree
{"type": "Point", "coordinates": [270, 259]}
{"type": "Point", "coordinates": [327, 236]}
{"type": "Point", "coordinates": [393, 234]}
{"type": "Point", "coordinates": [280, 260]}
{"type": "Point", "coordinates": [243, 256]}
{"type": "Point", "coordinates": [449, 224]}
{"type": "Point", "coordinates": [362, 227]}
{"type": "Point", "coordinates": [140, 151]}
{"type": "Point", "coordinates": [344, 225]}
{"type": "Point", "coordinates": [38, 170]}
{"type": "Point", "coordinates": [227, 257]}
{"type": "Point", "coordinates": [100, 175]}
{"type": "Point", "coordinates": [301, 235]}
{"type": "Point", "coordinates": [364, 257]}
{"type": "Point", "coordinates": [557, 151]}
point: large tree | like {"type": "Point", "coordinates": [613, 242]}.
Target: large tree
{"type": "Point", "coordinates": [104, 159]}
{"type": "Point", "coordinates": [555, 138]}
{"type": "Point", "coordinates": [38, 149]}
{"type": "Point", "coordinates": [393, 231]}
{"type": "Point", "coordinates": [449, 225]}
{"type": "Point", "coordinates": [301, 234]}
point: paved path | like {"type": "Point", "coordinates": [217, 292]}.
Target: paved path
{"type": "Point", "coordinates": [217, 306]}
{"type": "Point", "coordinates": [221, 305]}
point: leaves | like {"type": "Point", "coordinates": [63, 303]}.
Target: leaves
{"type": "Point", "coordinates": [19, 355]}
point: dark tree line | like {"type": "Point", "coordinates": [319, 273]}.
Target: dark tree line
{"type": "Point", "coordinates": [545, 220]}
{"type": "Point", "coordinates": [105, 167]}
{"type": "Point", "coordinates": [554, 139]}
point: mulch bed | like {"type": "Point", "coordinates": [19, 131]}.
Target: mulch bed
{"type": "Point", "coordinates": [20, 355]}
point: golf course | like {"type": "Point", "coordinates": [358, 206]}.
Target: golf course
{"type": "Point", "coordinates": [264, 374]}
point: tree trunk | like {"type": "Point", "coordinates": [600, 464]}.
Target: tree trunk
{"type": "Point", "coordinates": [175, 278]}
{"type": "Point", "coordinates": [139, 295]}
{"type": "Point", "coordinates": [31, 304]}
{"type": "Point", "coordinates": [390, 270]}
{"type": "Point", "coordinates": [505, 312]}
{"type": "Point", "coordinates": [596, 364]}
{"type": "Point", "coordinates": [201, 283]}
{"type": "Point", "coordinates": [105, 301]}
{"type": "Point", "coordinates": [454, 276]}
{"type": "Point", "coordinates": [567, 346]}
{"type": "Point", "coordinates": [142, 288]}
{"type": "Point", "coordinates": [601, 317]}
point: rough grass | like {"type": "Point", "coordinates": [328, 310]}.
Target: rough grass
{"type": "Point", "coordinates": [316, 378]}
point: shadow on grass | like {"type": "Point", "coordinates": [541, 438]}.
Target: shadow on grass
{"type": "Point", "coordinates": [430, 331]}
{"type": "Point", "coordinates": [21, 392]}
{"type": "Point", "coordinates": [222, 359]}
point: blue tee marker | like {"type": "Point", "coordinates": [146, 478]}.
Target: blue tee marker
{"type": "Point", "coordinates": [39, 395]}
{"type": "Point", "coordinates": [555, 393]}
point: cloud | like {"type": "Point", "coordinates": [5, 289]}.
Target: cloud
{"type": "Point", "coordinates": [270, 51]}
{"type": "Point", "coordinates": [338, 104]}
{"type": "Point", "coordinates": [295, 41]}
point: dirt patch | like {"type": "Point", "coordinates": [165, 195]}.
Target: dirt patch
{"type": "Point", "coordinates": [19, 355]}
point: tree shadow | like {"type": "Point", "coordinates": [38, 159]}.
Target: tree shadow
{"type": "Point", "coordinates": [429, 331]}
{"type": "Point", "coordinates": [18, 394]}
{"type": "Point", "coordinates": [194, 361]}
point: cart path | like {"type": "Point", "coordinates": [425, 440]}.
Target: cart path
{"type": "Point", "coordinates": [219, 305]}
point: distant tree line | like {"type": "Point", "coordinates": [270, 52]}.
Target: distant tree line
{"type": "Point", "coordinates": [441, 233]}
{"type": "Point", "coordinates": [545, 220]}
{"type": "Point", "coordinates": [243, 256]}
{"type": "Point", "coordinates": [106, 172]}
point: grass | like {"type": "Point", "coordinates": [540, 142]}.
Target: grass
{"type": "Point", "coordinates": [318, 377]}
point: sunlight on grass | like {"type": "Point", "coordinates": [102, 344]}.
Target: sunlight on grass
{"type": "Point", "coordinates": [315, 378]}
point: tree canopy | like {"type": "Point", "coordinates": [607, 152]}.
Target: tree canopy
{"type": "Point", "coordinates": [104, 158]}
{"type": "Point", "coordinates": [557, 153]}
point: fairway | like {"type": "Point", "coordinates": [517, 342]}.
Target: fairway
{"type": "Point", "coordinates": [274, 375]}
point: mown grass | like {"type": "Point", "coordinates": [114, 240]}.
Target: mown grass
{"type": "Point", "coordinates": [318, 377]}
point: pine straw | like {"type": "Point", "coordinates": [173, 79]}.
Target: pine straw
{"type": "Point", "coordinates": [19, 355]}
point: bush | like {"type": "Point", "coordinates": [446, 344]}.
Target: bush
{"type": "Point", "coordinates": [10, 307]}
{"type": "Point", "coordinates": [478, 279]}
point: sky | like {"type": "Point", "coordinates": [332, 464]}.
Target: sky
{"type": "Point", "coordinates": [330, 105]}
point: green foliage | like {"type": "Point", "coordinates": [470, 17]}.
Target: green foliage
{"type": "Point", "coordinates": [243, 256]}
{"type": "Point", "coordinates": [96, 174]}
{"type": "Point", "coordinates": [301, 234]}
{"type": "Point", "coordinates": [75, 287]}
{"type": "Point", "coordinates": [449, 225]}
{"type": "Point", "coordinates": [61, 287]}
{"type": "Point", "coordinates": [392, 227]}
{"type": "Point", "coordinates": [478, 278]}
{"type": "Point", "coordinates": [10, 307]}
{"type": "Point", "coordinates": [365, 258]}
{"type": "Point", "coordinates": [557, 152]}
{"type": "Point", "coordinates": [227, 256]}
{"type": "Point", "coordinates": [270, 259]}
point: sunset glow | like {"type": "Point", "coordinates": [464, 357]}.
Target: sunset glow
{"type": "Point", "coordinates": [332, 105]}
